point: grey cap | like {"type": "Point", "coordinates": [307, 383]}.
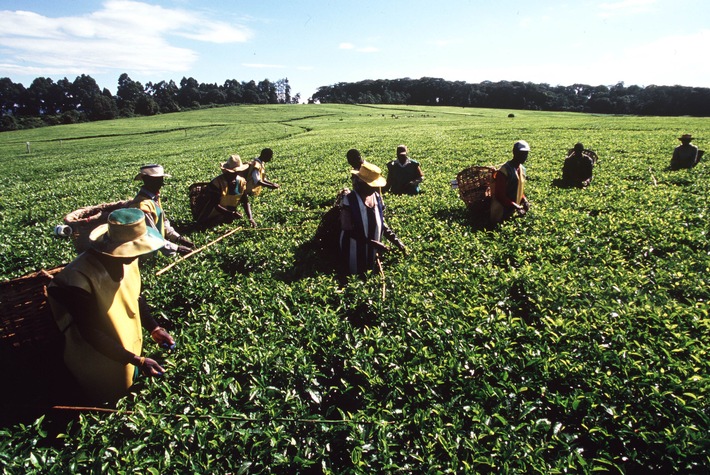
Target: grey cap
{"type": "Point", "coordinates": [521, 146]}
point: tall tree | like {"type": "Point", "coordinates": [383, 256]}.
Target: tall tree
{"type": "Point", "coordinates": [251, 92]}
{"type": "Point", "coordinates": [283, 91]}
{"type": "Point", "coordinates": [102, 107]}
{"type": "Point", "coordinates": [145, 105]}
{"type": "Point", "coordinates": [189, 94]}
{"type": "Point", "coordinates": [233, 91]}
{"type": "Point", "coordinates": [127, 94]}
{"type": "Point", "coordinates": [35, 98]}
{"type": "Point", "coordinates": [267, 92]}
{"type": "Point", "coordinates": [83, 90]}
{"type": "Point", "coordinates": [165, 95]}
{"type": "Point", "coordinates": [10, 96]}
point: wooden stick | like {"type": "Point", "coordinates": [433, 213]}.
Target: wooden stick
{"type": "Point", "coordinates": [123, 412]}
{"type": "Point", "coordinates": [182, 258]}
{"type": "Point", "coordinates": [650, 170]}
{"type": "Point", "coordinates": [192, 253]}
{"type": "Point", "coordinates": [382, 275]}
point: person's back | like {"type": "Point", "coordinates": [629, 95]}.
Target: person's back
{"type": "Point", "coordinates": [578, 167]}
{"type": "Point", "coordinates": [685, 155]}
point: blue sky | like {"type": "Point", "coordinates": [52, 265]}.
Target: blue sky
{"type": "Point", "coordinates": [318, 43]}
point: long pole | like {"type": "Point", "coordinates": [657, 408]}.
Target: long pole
{"type": "Point", "coordinates": [182, 258]}
{"type": "Point", "coordinates": [382, 275]}
{"type": "Point", "coordinates": [192, 253]}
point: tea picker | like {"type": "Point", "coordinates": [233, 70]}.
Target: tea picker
{"type": "Point", "coordinates": [148, 201]}
{"type": "Point", "coordinates": [362, 223]}
{"type": "Point", "coordinates": [95, 300]}
{"type": "Point", "coordinates": [494, 194]}
{"type": "Point", "coordinates": [685, 155]}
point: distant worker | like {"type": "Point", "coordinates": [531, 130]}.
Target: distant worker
{"type": "Point", "coordinates": [224, 193]}
{"type": "Point", "coordinates": [256, 174]}
{"type": "Point", "coordinates": [362, 222]}
{"type": "Point", "coordinates": [148, 201]}
{"type": "Point", "coordinates": [404, 175]}
{"type": "Point", "coordinates": [685, 155]}
{"type": "Point", "coordinates": [577, 168]}
{"type": "Point", "coordinates": [97, 304]}
{"type": "Point", "coordinates": [509, 186]}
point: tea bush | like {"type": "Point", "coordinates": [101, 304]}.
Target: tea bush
{"type": "Point", "coordinates": [571, 340]}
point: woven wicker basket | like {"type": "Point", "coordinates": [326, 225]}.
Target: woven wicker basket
{"type": "Point", "coordinates": [25, 315]}
{"type": "Point", "coordinates": [474, 185]}
{"type": "Point", "coordinates": [196, 192]}
{"type": "Point", "coordinates": [84, 220]}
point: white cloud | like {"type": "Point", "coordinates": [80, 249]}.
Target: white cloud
{"type": "Point", "coordinates": [346, 46]}
{"type": "Point", "coordinates": [122, 35]}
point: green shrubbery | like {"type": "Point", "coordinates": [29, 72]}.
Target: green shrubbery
{"type": "Point", "coordinates": [572, 340]}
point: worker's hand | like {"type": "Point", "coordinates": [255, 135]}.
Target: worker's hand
{"type": "Point", "coordinates": [150, 367]}
{"type": "Point", "coordinates": [182, 250]}
{"type": "Point", "coordinates": [237, 215]}
{"type": "Point", "coordinates": [526, 205]}
{"type": "Point", "coordinates": [402, 248]}
{"type": "Point", "coordinates": [252, 223]}
{"type": "Point", "coordinates": [379, 246]}
{"type": "Point", "coordinates": [163, 338]}
{"type": "Point", "coordinates": [185, 242]}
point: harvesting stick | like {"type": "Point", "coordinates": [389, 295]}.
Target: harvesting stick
{"type": "Point", "coordinates": [382, 275]}
{"type": "Point", "coordinates": [182, 258]}
{"type": "Point", "coordinates": [106, 410]}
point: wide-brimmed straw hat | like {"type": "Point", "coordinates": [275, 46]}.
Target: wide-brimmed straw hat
{"type": "Point", "coordinates": [151, 171]}
{"type": "Point", "coordinates": [370, 174]}
{"type": "Point", "coordinates": [685, 137]}
{"type": "Point", "coordinates": [234, 164]}
{"type": "Point", "coordinates": [126, 235]}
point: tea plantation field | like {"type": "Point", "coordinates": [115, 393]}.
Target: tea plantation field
{"type": "Point", "coordinates": [573, 340]}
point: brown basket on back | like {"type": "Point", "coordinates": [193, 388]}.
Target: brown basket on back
{"type": "Point", "coordinates": [474, 185]}
{"type": "Point", "coordinates": [196, 192]}
{"type": "Point", "coordinates": [25, 315]}
{"type": "Point", "coordinates": [586, 153]}
{"type": "Point", "coordinates": [84, 220]}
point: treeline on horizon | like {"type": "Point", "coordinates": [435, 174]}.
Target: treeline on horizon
{"type": "Point", "coordinates": [616, 99]}
{"type": "Point", "coordinates": [46, 102]}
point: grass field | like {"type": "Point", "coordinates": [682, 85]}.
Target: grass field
{"type": "Point", "coordinates": [573, 340]}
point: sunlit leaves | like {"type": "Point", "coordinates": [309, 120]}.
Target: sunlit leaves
{"type": "Point", "coordinates": [572, 340]}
